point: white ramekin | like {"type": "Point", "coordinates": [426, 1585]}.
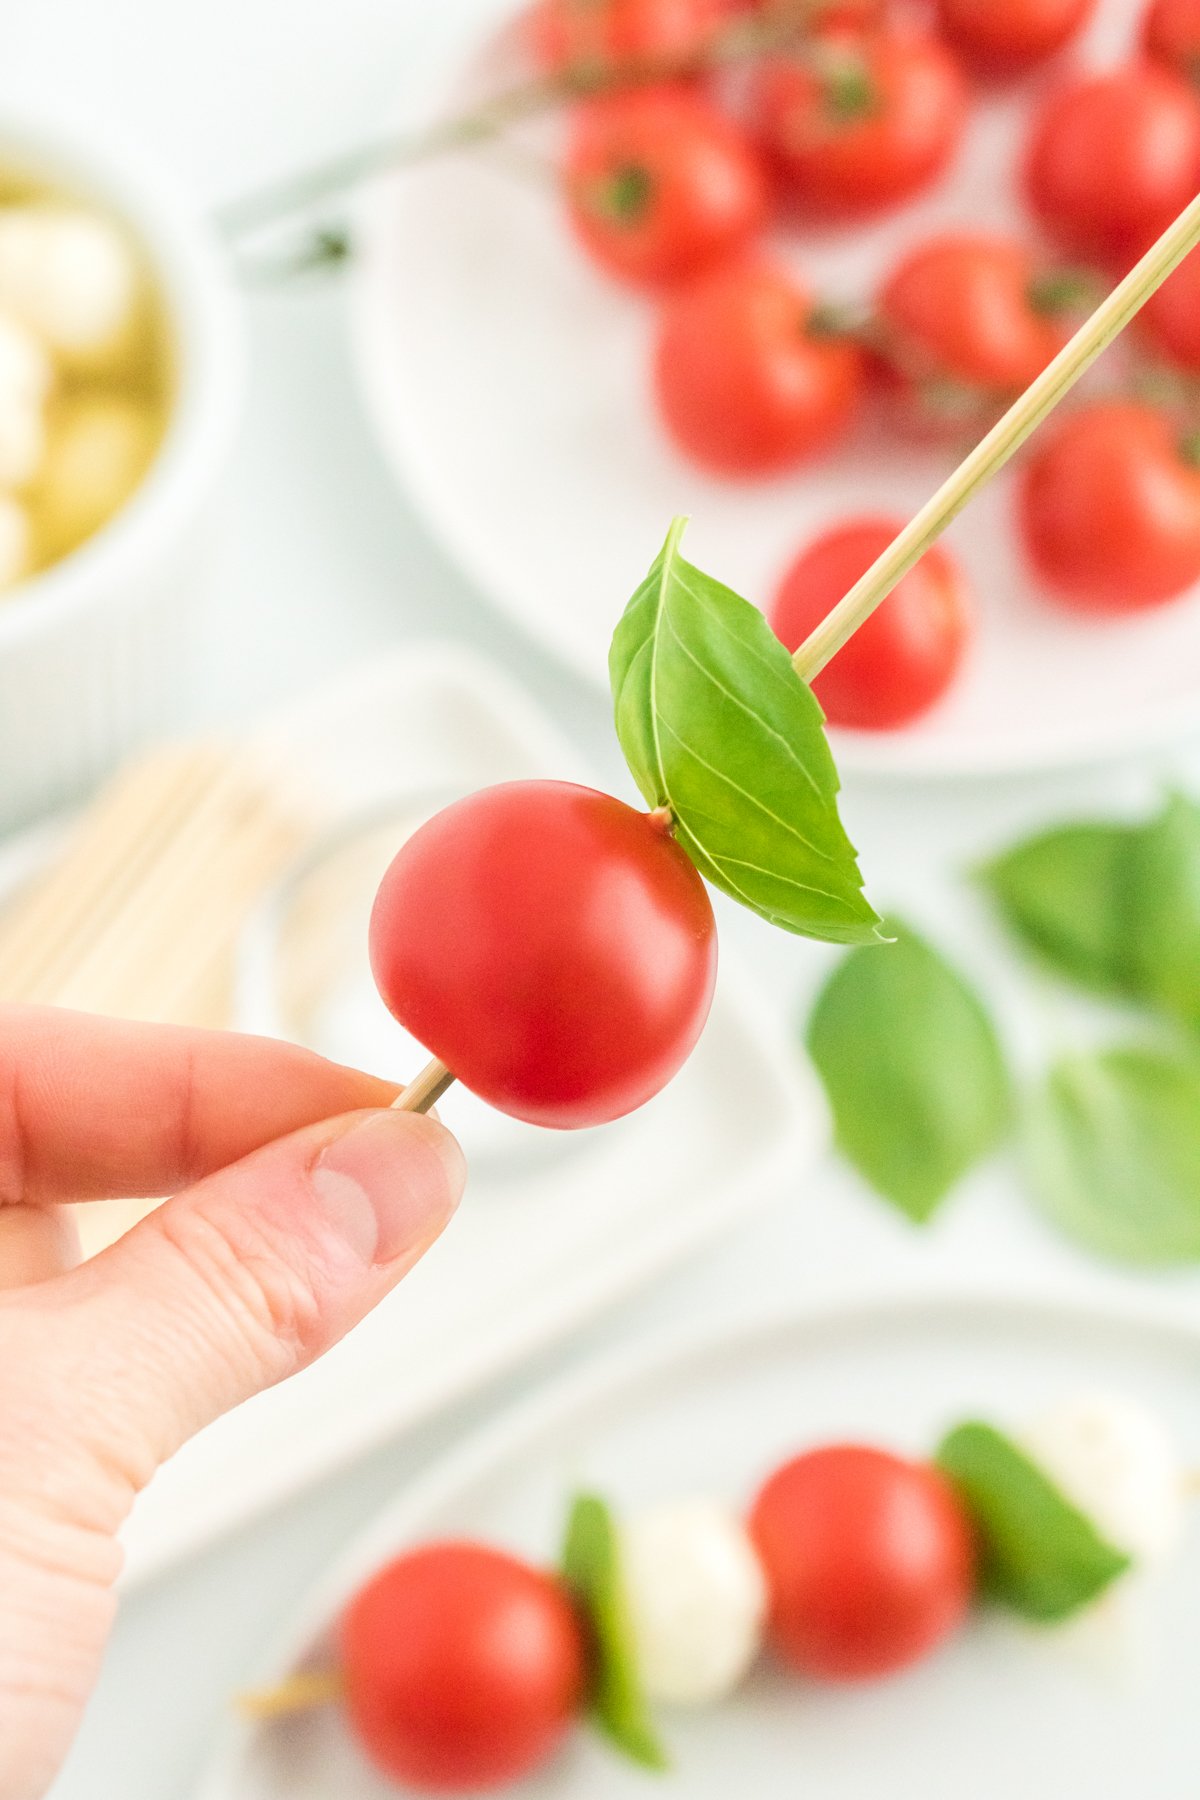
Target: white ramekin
{"type": "Point", "coordinates": [94, 651]}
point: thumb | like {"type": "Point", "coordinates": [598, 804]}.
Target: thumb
{"type": "Point", "coordinates": [250, 1275]}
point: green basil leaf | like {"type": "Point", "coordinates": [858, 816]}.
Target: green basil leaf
{"type": "Point", "coordinates": [591, 1568]}
{"type": "Point", "coordinates": [913, 1069]}
{"type": "Point", "coordinates": [1112, 1145]}
{"type": "Point", "coordinates": [716, 725]}
{"type": "Point", "coordinates": [1164, 911]}
{"type": "Point", "coordinates": [1038, 1554]}
{"type": "Point", "coordinates": [1065, 894]}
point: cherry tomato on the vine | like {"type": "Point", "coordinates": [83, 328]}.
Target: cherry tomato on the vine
{"type": "Point", "coordinates": [600, 34]}
{"type": "Point", "coordinates": [554, 947]}
{"type": "Point", "coordinates": [859, 120]}
{"type": "Point", "coordinates": [1007, 37]}
{"type": "Point", "coordinates": [463, 1667]}
{"type": "Point", "coordinates": [1171, 34]}
{"type": "Point", "coordinates": [748, 379]}
{"type": "Point", "coordinates": [1113, 159]}
{"type": "Point", "coordinates": [906, 655]}
{"type": "Point", "coordinates": [1110, 508]}
{"type": "Point", "coordinates": [869, 1560]}
{"type": "Point", "coordinates": [660, 183]}
{"type": "Point", "coordinates": [966, 320]}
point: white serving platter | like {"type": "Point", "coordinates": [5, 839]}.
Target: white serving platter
{"type": "Point", "coordinates": [1001, 1711]}
{"type": "Point", "coordinates": [556, 1228]}
{"type": "Point", "coordinates": [507, 383]}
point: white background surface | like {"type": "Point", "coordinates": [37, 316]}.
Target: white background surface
{"type": "Point", "coordinates": [320, 562]}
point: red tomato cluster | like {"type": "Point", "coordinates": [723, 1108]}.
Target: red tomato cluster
{"type": "Point", "coordinates": [464, 1667]}
{"type": "Point", "coordinates": [671, 184]}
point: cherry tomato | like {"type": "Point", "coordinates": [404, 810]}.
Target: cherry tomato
{"type": "Point", "coordinates": [747, 380]}
{"type": "Point", "coordinates": [661, 183]}
{"type": "Point", "coordinates": [463, 1667]}
{"type": "Point", "coordinates": [869, 1560]}
{"type": "Point", "coordinates": [908, 652]}
{"type": "Point", "coordinates": [1170, 319]}
{"type": "Point", "coordinates": [1113, 159]}
{"type": "Point", "coordinates": [604, 33]}
{"type": "Point", "coordinates": [968, 317]}
{"type": "Point", "coordinates": [861, 120]}
{"type": "Point", "coordinates": [1110, 508]}
{"type": "Point", "coordinates": [555, 948]}
{"type": "Point", "coordinates": [1007, 37]}
{"type": "Point", "coordinates": [1171, 34]}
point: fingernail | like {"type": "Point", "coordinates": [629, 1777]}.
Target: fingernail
{"type": "Point", "coordinates": [390, 1184]}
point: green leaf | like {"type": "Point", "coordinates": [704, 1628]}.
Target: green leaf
{"type": "Point", "coordinates": [1112, 1145]}
{"type": "Point", "coordinates": [1038, 1553]}
{"type": "Point", "coordinates": [717, 726]}
{"type": "Point", "coordinates": [1065, 894]}
{"type": "Point", "coordinates": [591, 1567]}
{"type": "Point", "coordinates": [1164, 911]}
{"type": "Point", "coordinates": [913, 1069]}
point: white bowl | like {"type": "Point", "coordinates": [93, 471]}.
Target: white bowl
{"type": "Point", "coordinates": [93, 649]}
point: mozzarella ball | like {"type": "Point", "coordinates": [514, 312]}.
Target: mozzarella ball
{"type": "Point", "coordinates": [99, 450]}
{"type": "Point", "coordinates": [697, 1598]}
{"type": "Point", "coordinates": [26, 372]}
{"type": "Point", "coordinates": [1114, 1461]}
{"type": "Point", "coordinates": [16, 543]}
{"type": "Point", "coordinates": [22, 440]}
{"type": "Point", "coordinates": [69, 275]}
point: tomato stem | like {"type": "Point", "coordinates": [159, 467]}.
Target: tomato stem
{"type": "Point", "coordinates": [1001, 443]}
{"type": "Point", "coordinates": [663, 820]}
{"type": "Point", "coordinates": [301, 1692]}
{"type": "Point", "coordinates": [1189, 448]}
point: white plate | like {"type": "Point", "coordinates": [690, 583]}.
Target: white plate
{"type": "Point", "coordinates": [550, 1235]}
{"type": "Point", "coordinates": [507, 383]}
{"type": "Point", "coordinates": [1001, 1712]}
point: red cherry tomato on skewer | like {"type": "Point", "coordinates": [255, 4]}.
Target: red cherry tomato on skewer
{"type": "Point", "coordinates": [1110, 508]}
{"type": "Point", "coordinates": [906, 655]}
{"type": "Point", "coordinates": [748, 382]}
{"type": "Point", "coordinates": [869, 1561]}
{"type": "Point", "coordinates": [859, 121]}
{"type": "Point", "coordinates": [1171, 34]}
{"type": "Point", "coordinates": [555, 948]}
{"type": "Point", "coordinates": [660, 183]}
{"type": "Point", "coordinates": [1003, 38]}
{"type": "Point", "coordinates": [606, 33]}
{"type": "Point", "coordinates": [463, 1667]}
{"type": "Point", "coordinates": [1113, 159]}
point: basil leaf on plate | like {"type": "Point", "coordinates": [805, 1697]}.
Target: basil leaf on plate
{"type": "Point", "coordinates": [1038, 1554]}
{"type": "Point", "coordinates": [1112, 1146]}
{"type": "Point", "coordinates": [1065, 894]}
{"type": "Point", "coordinates": [717, 726]}
{"type": "Point", "coordinates": [591, 1568]}
{"type": "Point", "coordinates": [913, 1070]}
{"type": "Point", "coordinates": [1165, 911]}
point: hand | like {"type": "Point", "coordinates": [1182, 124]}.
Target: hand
{"type": "Point", "coordinates": [305, 1202]}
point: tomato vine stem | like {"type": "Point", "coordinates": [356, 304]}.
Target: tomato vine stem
{"type": "Point", "coordinates": [1001, 443]}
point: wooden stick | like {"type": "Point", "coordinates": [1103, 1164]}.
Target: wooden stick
{"type": "Point", "coordinates": [1000, 444]}
{"type": "Point", "coordinates": [296, 1693]}
{"type": "Point", "coordinates": [426, 1089]}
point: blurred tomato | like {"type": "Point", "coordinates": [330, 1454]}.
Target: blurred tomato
{"type": "Point", "coordinates": [858, 121]}
{"type": "Point", "coordinates": [661, 183]}
{"type": "Point", "coordinates": [601, 33]}
{"type": "Point", "coordinates": [1170, 319]}
{"type": "Point", "coordinates": [1110, 508]}
{"type": "Point", "coordinates": [1113, 159]}
{"type": "Point", "coordinates": [463, 1667]}
{"type": "Point", "coordinates": [906, 655]}
{"type": "Point", "coordinates": [869, 1560]}
{"type": "Point", "coordinates": [1171, 34]}
{"type": "Point", "coordinates": [1008, 37]}
{"type": "Point", "coordinates": [747, 380]}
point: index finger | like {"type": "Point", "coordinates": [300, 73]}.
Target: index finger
{"type": "Point", "coordinates": [94, 1108]}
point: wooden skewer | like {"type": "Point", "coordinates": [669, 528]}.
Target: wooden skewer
{"type": "Point", "coordinates": [1001, 443]}
{"type": "Point", "coordinates": [425, 1090]}
{"type": "Point", "coordinates": [296, 1693]}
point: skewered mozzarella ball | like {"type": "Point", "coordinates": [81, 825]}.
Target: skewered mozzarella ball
{"type": "Point", "coordinates": [697, 1599]}
{"type": "Point", "coordinates": [69, 275]}
{"type": "Point", "coordinates": [1114, 1461]}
